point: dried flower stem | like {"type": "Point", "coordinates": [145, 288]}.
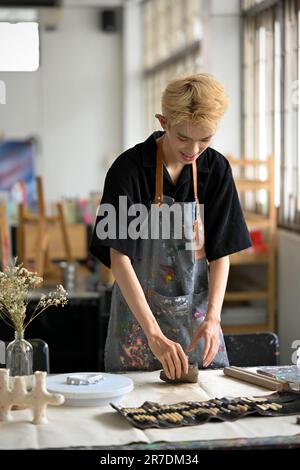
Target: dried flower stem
{"type": "Point", "coordinates": [15, 284]}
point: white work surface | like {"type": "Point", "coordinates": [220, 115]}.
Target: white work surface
{"type": "Point", "coordinates": [72, 426]}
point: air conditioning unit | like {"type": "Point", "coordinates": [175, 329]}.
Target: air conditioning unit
{"type": "Point", "coordinates": [47, 18]}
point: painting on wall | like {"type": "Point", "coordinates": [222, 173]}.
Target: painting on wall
{"type": "Point", "coordinates": [17, 176]}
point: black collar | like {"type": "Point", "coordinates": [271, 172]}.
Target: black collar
{"type": "Point", "coordinates": [148, 150]}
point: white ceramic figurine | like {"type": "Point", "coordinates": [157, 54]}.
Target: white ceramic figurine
{"type": "Point", "coordinates": [38, 398]}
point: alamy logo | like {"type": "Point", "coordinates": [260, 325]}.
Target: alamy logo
{"type": "Point", "coordinates": [2, 92]}
{"type": "Point", "coordinates": [296, 354]}
{"type": "Point", "coordinates": [137, 221]}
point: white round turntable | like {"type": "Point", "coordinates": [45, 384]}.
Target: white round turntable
{"type": "Point", "coordinates": [111, 388]}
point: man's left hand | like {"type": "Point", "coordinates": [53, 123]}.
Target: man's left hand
{"type": "Point", "coordinates": [209, 330]}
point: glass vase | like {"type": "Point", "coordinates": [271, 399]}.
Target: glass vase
{"type": "Point", "coordinates": [19, 355]}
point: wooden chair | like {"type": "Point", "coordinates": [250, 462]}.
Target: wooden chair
{"type": "Point", "coordinates": [252, 349]}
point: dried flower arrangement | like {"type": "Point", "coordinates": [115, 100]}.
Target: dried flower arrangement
{"type": "Point", "coordinates": [16, 286]}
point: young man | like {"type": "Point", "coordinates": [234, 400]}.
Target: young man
{"type": "Point", "coordinates": [166, 302]}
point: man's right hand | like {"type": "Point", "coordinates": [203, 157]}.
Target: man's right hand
{"type": "Point", "coordinates": [169, 354]}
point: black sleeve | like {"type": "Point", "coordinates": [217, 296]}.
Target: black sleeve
{"type": "Point", "coordinates": [120, 181]}
{"type": "Point", "coordinates": [225, 228]}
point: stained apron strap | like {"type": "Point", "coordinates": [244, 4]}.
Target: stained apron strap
{"type": "Point", "coordinates": [159, 175]}
{"type": "Point", "coordinates": [196, 190]}
{"type": "Point", "coordinates": [198, 226]}
{"type": "Point", "coordinates": [195, 183]}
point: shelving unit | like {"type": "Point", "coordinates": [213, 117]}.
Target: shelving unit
{"type": "Point", "coordinates": [254, 257]}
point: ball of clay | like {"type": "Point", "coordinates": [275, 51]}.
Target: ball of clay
{"type": "Point", "coordinates": [190, 377]}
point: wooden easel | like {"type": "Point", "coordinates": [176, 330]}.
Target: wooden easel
{"type": "Point", "coordinates": [42, 260]}
{"type": "Point", "coordinates": [4, 235]}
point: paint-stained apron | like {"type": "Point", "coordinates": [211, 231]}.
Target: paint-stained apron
{"type": "Point", "coordinates": [174, 278]}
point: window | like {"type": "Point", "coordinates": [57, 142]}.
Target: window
{"type": "Point", "coordinates": [172, 42]}
{"type": "Point", "coordinates": [271, 113]}
{"type": "Point", "coordinates": [289, 202]}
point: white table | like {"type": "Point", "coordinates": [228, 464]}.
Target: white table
{"type": "Point", "coordinates": [103, 427]}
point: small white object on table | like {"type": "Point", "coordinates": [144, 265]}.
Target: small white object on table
{"type": "Point", "coordinates": [14, 392]}
{"type": "Point", "coordinates": [90, 389]}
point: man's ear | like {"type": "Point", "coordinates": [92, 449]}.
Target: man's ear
{"type": "Point", "coordinates": [162, 120]}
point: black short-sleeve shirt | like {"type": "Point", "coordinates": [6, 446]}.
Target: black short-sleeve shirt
{"type": "Point", "coordinates": [132, 174]}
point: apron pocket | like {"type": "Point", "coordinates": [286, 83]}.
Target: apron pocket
{"type": "Point", "coordinates": [174, 316]}
{"type": "Point", "coordinates": [199, 307]}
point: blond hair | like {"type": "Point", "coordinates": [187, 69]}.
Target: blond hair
{"type": "Point", "coordinates": [198, 98]}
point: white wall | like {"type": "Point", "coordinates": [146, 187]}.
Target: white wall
{"type": "Point", "coordinates": [222, 58]}
{"type": "Point", "coordinates": [288, 283]}
{"type": "Point", "coordinates": [73, 103]}
{"type": "Point", "coordinates": [86, 101]}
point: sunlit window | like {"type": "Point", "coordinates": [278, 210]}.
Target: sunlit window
{"type": "Point", "coordinates": [172, 45]}
{"type": "Point", "coordinates": [271, 115]}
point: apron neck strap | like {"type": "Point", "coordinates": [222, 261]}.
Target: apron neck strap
{"type": "Point", "coordinates": [159, 176]}
{"type": "Point", "coordinates": [195, 181]}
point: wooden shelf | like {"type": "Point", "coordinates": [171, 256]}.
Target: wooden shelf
{"type": "Point", "coordinates": [236, 296]}
{"type": "Point", "coordinates": [252, 185]}
{"type": "Point", "coordinates": [249, 258]}
{"type": "Point", "coordinates": [249, 328]}
{"type": "Point", "coordinates": [257, 221]}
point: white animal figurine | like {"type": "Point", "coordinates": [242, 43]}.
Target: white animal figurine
{"type": "Point", "coordinates": [37, 399]}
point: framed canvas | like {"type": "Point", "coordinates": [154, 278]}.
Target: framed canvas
{"type": "Point", "coordinates": [17, 176]}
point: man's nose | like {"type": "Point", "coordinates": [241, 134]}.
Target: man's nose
{"type": "Point", "coordinates": [193, 150]}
